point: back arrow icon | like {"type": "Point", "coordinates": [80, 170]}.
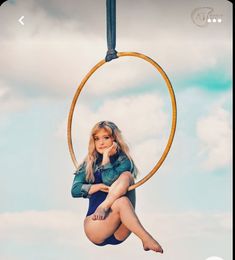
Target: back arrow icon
{"type": "Point", "coordinates": [21, 20]}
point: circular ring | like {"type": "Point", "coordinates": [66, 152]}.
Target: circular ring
{"type": "Point", "coordinates": [173, 104]}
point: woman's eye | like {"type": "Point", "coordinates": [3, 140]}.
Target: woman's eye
{"type": "Point", "coordinates": [103, 138]}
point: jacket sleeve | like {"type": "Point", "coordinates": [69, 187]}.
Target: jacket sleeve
{"type": "Point", "coordinates": [111, 172]}
{"type": "Point", "coordinates": [80, 186]}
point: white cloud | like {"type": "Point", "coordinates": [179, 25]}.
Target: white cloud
{"type": "Point", "coordinates": [34, 226]}
{"type": "Point", "coordinates": [9, 101]}
{"type": "Point", "coordinates": [123, 74]}
{"type": "Point", "coordinates": [172, 230]}
{"type": "Point", "coordinates": [142, 120]}
{"type": "Point", "coordinates": [152, 150]}
{"type": "Point", "coordinates": [214, 131]}
{"type": "Point", "coordinates": [54, 51]}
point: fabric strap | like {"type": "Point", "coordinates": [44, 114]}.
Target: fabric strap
{"type": "Point", "coordinates": [111, 29]}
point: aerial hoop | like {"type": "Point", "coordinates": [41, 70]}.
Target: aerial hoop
{"type": "Point", "coordinates": [173, 105]}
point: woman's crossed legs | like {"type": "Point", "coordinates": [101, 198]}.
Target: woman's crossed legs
{"type": "Point", "coordinates": [119, 217]}
{"type": "Point", "coordinates": [116, 190]}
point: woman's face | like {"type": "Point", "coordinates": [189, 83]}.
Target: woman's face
{"type": "Point", "coordinates": [102, 140]}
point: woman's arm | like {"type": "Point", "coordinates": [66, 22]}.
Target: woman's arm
{"type": "Point", "coordinates": [81, 188]}
{"type": "Point", "coordinates": [111, 172]}
{"type": "Point", "coordinates": [97, 187]}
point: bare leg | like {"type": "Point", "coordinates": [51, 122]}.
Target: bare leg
{"type": "Point", "coordinates": [121, 210]}
{"type": "Point", "coordinates": [130, 220]}
{"type": "Point", "coordinates": [116, 190]}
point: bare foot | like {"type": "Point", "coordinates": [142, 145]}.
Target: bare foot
{"type": "Point", "coordinates": [152, 244]}
{"type": "Point", "coordinates": [100, 213]}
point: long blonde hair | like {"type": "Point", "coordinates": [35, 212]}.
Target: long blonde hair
{"type": "Point", "coordinates": [92, 155]}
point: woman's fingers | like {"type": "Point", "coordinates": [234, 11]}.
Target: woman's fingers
{"type": "Point", "coordinates": [113, 149]}
{"type": "Point", "coordinates": [105, 189]}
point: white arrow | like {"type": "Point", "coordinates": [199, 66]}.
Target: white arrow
{"type": "Point", "coordinates": [21, 20]}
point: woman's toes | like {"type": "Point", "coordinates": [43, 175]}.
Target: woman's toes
{"type": "Point", "coordinates": [94, 216]}
{"type": "Point", "coordinates": [152, 244]}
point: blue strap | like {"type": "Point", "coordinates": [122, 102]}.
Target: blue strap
{"type": "Point", "coordinates": [111, 30]}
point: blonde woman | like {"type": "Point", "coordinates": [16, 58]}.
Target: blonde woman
{"type": "Point", "coordinates": [104, 177]}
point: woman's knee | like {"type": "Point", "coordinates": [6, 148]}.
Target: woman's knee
{"type": "Point", "coordinates": [127, 176]}
{"type": "Point", "coordinates": [120, 202]}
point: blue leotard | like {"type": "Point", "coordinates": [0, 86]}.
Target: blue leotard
{"type": "Point", "coordinates": [96, 198]}
{"type": "Point", "coordinates": [94, 201]}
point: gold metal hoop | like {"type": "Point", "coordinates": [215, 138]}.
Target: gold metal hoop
{"type": "Point", "coordinates": [173, 104]}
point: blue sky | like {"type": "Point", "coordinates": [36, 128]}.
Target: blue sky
{"type": "Point", "coordinates": [187, 203]}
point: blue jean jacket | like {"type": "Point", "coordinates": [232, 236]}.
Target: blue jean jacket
{"type": "Point", "coordinates": [118, 164]}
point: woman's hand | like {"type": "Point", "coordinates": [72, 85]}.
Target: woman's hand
{"type": "Point", "coordinates": [104, 187]}
{"type": "Point", "coordinates": [111, 150]}
{"type": "Point", "coordinates": [96, 187]}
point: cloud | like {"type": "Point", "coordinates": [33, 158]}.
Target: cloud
{"type": "Point", "coordinates": [173, 230]}
{"type": "Point", "coordinates": [58, 44]}
{"type": "Point", "coordinates": [34, 226]}
{"type": "Point", "coordinates": [202, 140]}
{"type": "Point", "coordinates": [142, 119]}
{"type": "Point", "coordinates": [214, 131]}
{"type": "Point", "coordinates": [10, 101]}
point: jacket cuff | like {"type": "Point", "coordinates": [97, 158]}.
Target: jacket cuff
{"type": "Point", "coordinates": [85, 189]}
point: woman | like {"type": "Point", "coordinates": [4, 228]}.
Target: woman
{"type": "Point", "coordinates": [104, 177]}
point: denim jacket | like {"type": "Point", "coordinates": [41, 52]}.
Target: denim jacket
{"type": "Point", "coordinates": [110, 172]}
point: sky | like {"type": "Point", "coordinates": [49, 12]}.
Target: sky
{"type": "Point", "coordinates": [187, 204]}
